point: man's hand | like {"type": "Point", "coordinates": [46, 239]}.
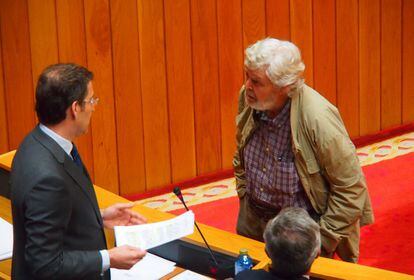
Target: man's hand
{"type": "Point", "coordinates": [120, 214]}
{"type": "Point", "coordinates": [124, 257]}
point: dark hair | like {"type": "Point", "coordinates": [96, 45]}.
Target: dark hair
{"type": "Point", "coordinates": [292, 242]}
{"type": "Point", "coordinates": [58, 87]}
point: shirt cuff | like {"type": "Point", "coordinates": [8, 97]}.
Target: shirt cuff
{"type": "Point", "coordinates": [105, 260]}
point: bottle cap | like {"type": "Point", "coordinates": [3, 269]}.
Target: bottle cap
{"type": "Point", "coordinates": [243, 251]}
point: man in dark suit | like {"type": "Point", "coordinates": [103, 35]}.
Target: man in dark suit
{"type": "Point", "coordinates": [292, 242]}
{"type": "Point", "coordinates": [58, 226]}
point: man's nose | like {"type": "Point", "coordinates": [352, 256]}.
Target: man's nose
{"type": "Point", "coordinates": [248, 84]}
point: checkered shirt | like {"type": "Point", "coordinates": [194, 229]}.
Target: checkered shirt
{"type": "Point", "coordinates": [272, 178]}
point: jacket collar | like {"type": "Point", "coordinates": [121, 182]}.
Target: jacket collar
{"type": "Point", "coordinates": [80, 176]}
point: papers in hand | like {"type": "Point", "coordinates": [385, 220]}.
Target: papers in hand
{"type": "Point", "coordinates": [6, 240]}
{"type": "Point", "coordinates": [147, 236]}
{"type": "Point", "coordinates": [151, 267]}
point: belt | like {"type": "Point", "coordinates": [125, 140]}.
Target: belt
{"type": "Point", "coordinates": [263, 211]}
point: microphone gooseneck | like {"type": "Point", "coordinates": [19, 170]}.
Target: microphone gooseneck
{"type": "Point", "coordinates": [178, 193]}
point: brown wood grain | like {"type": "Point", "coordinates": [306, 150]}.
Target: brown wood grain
{"type": "Point", "coordinates": [43, 36]}
{"type": "Point", "coordinates": [391, 77]}
{"type": "Point", "coordinates": [154, 93]}
{"type": "Point", "coordinates": [180, 89]}
{"type": "Point", "coordinates": [369, 66]}
{"type": "Point", "coordinates": [231, 73]}
{"type": "Point", "coordinates": [70, 19]}
{"type": "Point", "coordinates": [128, 98]}
{"type": "Point", "coordinates": [301, 34]}
{"type": "Point", "coordinates": [347, 64]}
{"type": "Point", "coordinates": [206, 85]}
{"type": "Point", "coordinates": [168, 73]}
{"type": "Point", "coordinates": [103, 128]}
{"type": "Point", "coordinates": [278, 19]}
{"type": "Point", "coordinates": [17, 70]}
{"type": "Point", "coordinates": [4, 140]}
{"type": "Point", "coordinates": [408, 61]}
{"type": "Point", "coordinates": [254, 21]}
{"type": "Point", "coordinates": [324, 48]}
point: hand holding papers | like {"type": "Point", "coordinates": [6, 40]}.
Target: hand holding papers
{"type": "Point", "coordinates": [147, 236]}
{"type": "Point", "coordinates": [151, 267]}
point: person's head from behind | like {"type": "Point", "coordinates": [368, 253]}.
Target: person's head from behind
{"type": "Point", "coordinates": [64, 93]}
{"type": "Point", "coordinates": [292, 241]}
{"type": "Point", "coordinates": [273, 69]}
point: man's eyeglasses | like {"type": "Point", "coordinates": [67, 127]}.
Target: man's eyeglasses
{"type": "Point", "coordinates": [92, 100]}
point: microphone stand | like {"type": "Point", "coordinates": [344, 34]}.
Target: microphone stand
{"type": "Point", "coordinates": [178, 193]}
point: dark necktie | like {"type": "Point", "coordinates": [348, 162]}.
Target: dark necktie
{"type": "Point", "coordinates": [75, 155]}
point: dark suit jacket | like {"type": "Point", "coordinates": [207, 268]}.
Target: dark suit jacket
{"type": "Point", "coordinates": [262, 275]}
{"type": "Point", "coordinates": [58, 228]}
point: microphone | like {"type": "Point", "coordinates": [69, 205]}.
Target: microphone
{"type": "Point", "coordinates": [178, 193]}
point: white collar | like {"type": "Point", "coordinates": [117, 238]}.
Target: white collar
{"type": "Point", "coordinates": [65, 144]}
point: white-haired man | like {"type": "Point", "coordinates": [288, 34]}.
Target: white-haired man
{"type": "Point", "coordinates": [293, 151]}
{"type": "Point", "coordinates": [292, 242]}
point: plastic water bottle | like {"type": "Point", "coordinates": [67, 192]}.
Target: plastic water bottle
{"type": "Point", "coordinates": [243, 262]}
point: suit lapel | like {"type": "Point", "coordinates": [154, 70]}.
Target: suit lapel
{"type": "Point", "coordinates": [82, 179]}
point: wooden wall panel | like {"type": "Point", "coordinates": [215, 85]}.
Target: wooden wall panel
{"type": "Point", "coordinates": [301, 34]}
{"type": "Point", "coordinates": [254, 21]}
{"type": "Point", "coordinates": [369, 66]}
{"type": "Point", "coordinates": [43, 36]}
{"type": "Point", "coordinates": [128, 99]}
{"type": "Point", "coordinates": [168, 73]}
{"type": "Point", "coordinates": [17, 70]}
{"type": "Point", "coordinates": [347, 63]}
{"type": "Point", "coordinates": [70, 18]}
{"type": "Point", "coordinates": [206, 85]}
{"type": "Point", "coordinates": [4, 141]}
{"type": "Point", "coordinates": [180, 89]}
{"type": "Point", "coordinates": [390, 63]}
{"type": "Point", "coordinates": [230, 45]}
{"type": "Point", "coordinates": [324, 48]}
{"type": "Point", "coordinates": [154, 95]}
{"type": "Point", "coordinates": [278, 19]}
{"type": "Point", "coordinates": [408, 61]}
{"type": "Point", "coordinates": [99, 55]}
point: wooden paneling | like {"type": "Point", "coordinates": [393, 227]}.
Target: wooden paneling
{"type": "Point", "coordinates": [278, 19]}
{"type": "Point", "coordinates": [408, 61]}
{"type": "Point", "coordinates": [180, 89]}
{"type": "Point", "coordinates": [4, 141]}
{"type": "Point", "coordinates": [347, 63]}
{"type": "Point", "coordinates": [324, 48]}
{"type": "Point", "coordinates": [206, 85]}
{"type": "Point", "coordinates": [369, 66]}
{"type": "Point", "coordinates": [168, 73]}
{"type": "Point", "coordinates": [17, 70]}
{"type": "Point", "coordinates": [99, 56]}
{"type": "Point", "coordinates": [70, 18]}
{"type": "Point", "coordinates": [301, 33]}
{"type": "Point", "coordinates": [43, 36]}
{"type": "Point", "coordinates": [390, 63]}
{"type": "Point", "coordinates": [154, 92]}
{"type": "Point", "coordinates": [254, 21]}
{"type": "Point", "coordinates": [128, 99]}
{"type": "Point", "coordinates": [230, 44]}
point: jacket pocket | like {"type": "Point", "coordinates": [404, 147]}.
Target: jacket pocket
{"type": "Point", "coordinates": [312, 166]}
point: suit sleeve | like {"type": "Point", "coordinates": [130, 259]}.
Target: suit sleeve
{"type": "Point", "coordinates": [47, 214]}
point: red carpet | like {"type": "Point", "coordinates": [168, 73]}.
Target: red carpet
{"type": "Point", "coordinates": [387, 244]}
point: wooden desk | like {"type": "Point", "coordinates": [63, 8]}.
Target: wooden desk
{"type": "Point", "coordinates": [225, 242]}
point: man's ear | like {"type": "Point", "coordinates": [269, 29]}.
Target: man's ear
{"type": "Point", "coordinates": [74, 109]}
{"type": "Point", "coordinates": [286, 89]}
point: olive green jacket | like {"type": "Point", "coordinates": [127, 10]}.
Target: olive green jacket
{"type": "Point", "coordinates": [326, 162]}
